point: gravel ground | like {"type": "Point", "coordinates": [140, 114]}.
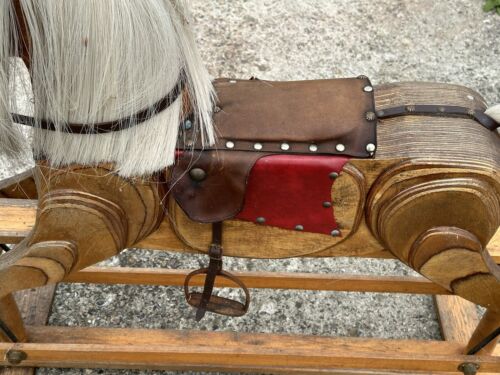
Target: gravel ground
{"type": "Point", "coordinates": [388, 40]}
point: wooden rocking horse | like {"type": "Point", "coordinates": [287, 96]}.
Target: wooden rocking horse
{"type": "Point", "coordinates": [135, 146]}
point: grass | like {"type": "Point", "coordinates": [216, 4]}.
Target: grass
{"type": "Point", "coordinates": [492, 6]}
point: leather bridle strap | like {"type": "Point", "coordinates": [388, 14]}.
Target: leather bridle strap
{"type": "Point", "coordinates": [439, 110]}
{"type": "Point", "coordinates": [110, 126]}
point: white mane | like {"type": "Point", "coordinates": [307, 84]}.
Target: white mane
{"type": "Point", "coordinates": [95, 61]}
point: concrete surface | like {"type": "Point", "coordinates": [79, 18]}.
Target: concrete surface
{"type": "Point", "coordinates": [388, 40]}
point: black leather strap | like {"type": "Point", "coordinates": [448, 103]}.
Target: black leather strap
{"type": "Point", "coordinates": [110, 126]}
{"type": "Point", "coordinates": [439, 110]}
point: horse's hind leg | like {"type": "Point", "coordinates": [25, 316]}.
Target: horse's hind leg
{"type": "Point", "coordinates": [438, 220]}
{"type": "Point", "coordinates": [85, 215]}
{"type": "Point", "coordinates": [486, 329]}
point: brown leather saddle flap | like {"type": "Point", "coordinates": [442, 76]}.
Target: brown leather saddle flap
{"type": "Point", "coordinates": [256, 118]}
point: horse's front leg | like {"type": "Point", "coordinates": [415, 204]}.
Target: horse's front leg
{"type": "Point", "coordinates": [85, 215]}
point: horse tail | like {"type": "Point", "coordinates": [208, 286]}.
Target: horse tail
{"type": "Point", "coordinates": [494, 112]}
{"type": "Point", "coordinates": [11, 138]}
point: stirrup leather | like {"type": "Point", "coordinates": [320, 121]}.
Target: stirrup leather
{"type": "Point", "coordinates": [206, 301]}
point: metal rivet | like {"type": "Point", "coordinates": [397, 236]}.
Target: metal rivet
{"type": "Point", "coordinates": [368, 89]}
{"type": "Point", "coordinates": [257, 146]}
{"type": "Point", "coordinates": [260, 220]}
{"type": "Point", "coordinates": [285, 146]}
{"type": "Point", "coordinates": [188, 124]}
{"type": "Point", "coordinates": [340, 147]}
{"type": "Point", "coordinates": [370, 147]}
{"type": "Point", "coordinates": [299, 227]}
{"type": "Point", "coordinates": [333, 175]}
{"type": "Point", "coordinates": [217, 109]}
{"type": "Point", "coordinates": [370, 116]}
{"type": "Point", "coordinates": [313, 148]}
{"type": "Point", "coordinates": [232, 81]}
{"type": "Point", "coordinates": [470, 97]}
{"type": "Point", "coordinates": [229, 144]}
{"type": "Point", "coordinates": [468, 368]}
{"type": "Point", "coordinates": [197, 174]}
{"type": "Point", "coordinates": [327, 204]}
{"type": "Point", "coordinates": [15, 357]}
{"type": "Point", "coordinates": [335, 233]}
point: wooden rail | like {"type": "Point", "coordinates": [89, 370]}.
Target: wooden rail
{"type": "Point", "coordinates": [201, 350]}
{"type": "Point", "coordinates": [261, 280]}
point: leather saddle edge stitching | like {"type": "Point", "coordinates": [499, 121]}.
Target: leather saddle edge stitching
{"type": "Point", "coordinates": [111, 126]}
{"type": "Point", "coordinates": [225, 306]}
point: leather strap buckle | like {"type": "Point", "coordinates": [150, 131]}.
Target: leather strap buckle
{"type": "Point", "coordinates": [206, 301]}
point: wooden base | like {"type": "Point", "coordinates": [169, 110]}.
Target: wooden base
{"type": "Point", "coordinates": [254, 352]}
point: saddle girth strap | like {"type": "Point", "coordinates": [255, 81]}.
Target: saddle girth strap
{"type": "Point", "coordinates": [439, 110]}
{"type": "Point", "coordinates": [214, 268]}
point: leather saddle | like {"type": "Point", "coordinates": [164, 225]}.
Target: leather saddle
{"type": "Point", "coordinates": [284, 130]}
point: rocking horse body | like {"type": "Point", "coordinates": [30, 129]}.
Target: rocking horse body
{"type": "Point", "coordinates": [310, 168]}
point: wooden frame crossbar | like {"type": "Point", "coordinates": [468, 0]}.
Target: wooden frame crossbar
{"type": "Point", "coordinates": [257, 352]}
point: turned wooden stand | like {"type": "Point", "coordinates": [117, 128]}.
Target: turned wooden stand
{"type": "Point", "coordinates": [50, 346]}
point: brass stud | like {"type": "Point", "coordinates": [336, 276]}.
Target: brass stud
{"type": "Point", "coordinates": [260, 220]}
{"type": "Point", "coordinates": [197, 174]}
{"type": "Point", "coordinates": [257, 146]}
{"type": "Point", "coordinates": [285, 146]}
{"type": "Point", "coordinates": [370, 116]}
{"type": "Point", "coordinates": [313, 148]}
{"type": "Point", "coordinates": [333, 175]}
{"type": "Point", "coordinates": [368, 88]}
{"type": "Point", "coordinates": [188, 125]}
{"type": "Point", "coordinates": [229, 144]}
{"type": "Point", "coordinates": [370, 147]}
{"type": "Point", "coordinates": [327, 204]}
{"type": "Point", "coordinates": [15, 357]}
{"type": "Point", "coordinates": [340, 147]}
{"type": "Point", "coordinates": [335, 233]}
{"type": "Point", "coordinates": [469, 368]}
{"type": "Point", "coordinates": [299, 227]}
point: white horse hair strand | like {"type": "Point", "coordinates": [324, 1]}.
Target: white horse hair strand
{"type": "Point", "coordinates": [94, 61]}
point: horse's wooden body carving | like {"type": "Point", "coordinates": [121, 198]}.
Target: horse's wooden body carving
{"type": "Point", "coordinates": [432, 200]}
{"type": "Point", "coordinates": [425, 188]}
